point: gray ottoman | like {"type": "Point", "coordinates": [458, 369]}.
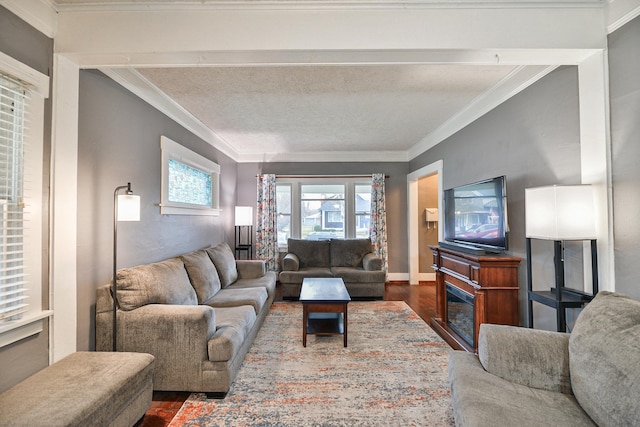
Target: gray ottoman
{"type": "Point", "coordinates": [84, 388]}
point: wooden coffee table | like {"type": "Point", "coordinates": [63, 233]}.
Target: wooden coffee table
{"type": "Point", "coordinates": [324, 307]}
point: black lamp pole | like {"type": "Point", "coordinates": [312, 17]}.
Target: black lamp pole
{"type": "Point", "coordinates": [115, 257]}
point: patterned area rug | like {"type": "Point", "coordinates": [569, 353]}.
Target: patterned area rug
{"type": "Point", "coordinates": [393, 372]}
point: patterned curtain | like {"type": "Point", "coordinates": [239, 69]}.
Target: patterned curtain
{"type": "Point", "coordinates": [378, 230]}
{"type": "Point", "coordinates": [267, 222]}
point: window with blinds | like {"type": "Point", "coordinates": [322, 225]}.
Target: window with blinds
{"type": "Point", "coordinates": [12, 126]}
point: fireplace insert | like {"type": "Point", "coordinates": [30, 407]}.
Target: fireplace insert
{"type": "Point", "coordinates": [460, 313]}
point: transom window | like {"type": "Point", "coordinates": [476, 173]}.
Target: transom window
{"type": "Point", "coordinates": [323, 208]}
{"type": "Point", "coordinates": [190, 182]}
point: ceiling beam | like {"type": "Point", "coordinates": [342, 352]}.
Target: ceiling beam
{"type": "Point", "coordinates": [161, 37]}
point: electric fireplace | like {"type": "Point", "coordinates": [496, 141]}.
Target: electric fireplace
{"type": "Point", "coordinates": [460, 313]}
{"type": "Point", "coordinates": [473, 289]}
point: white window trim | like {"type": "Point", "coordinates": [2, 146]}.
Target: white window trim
{"type": "Point", "coordinates": [31, 322]}
{"type": "Point", "coordinates": [173, 150]}
{"type": "Point", "coordinates": [350, 208]}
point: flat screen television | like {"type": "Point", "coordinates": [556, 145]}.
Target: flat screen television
{"type": "Point", "coordinates": [475, 215]}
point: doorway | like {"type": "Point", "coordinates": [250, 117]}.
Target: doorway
{"type": "Point", "coordinates": [416, 218]}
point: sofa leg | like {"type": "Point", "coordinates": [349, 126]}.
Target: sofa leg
{"type": "Point", "coordinates": [216, 395]}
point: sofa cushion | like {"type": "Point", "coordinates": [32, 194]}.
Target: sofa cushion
{"type": "Point", "coordinates": [268, 282]}
{"type": "Point", "coordinates": [202, 273]}
{"type": "Point", "coordinates": [310, 253]}
{"type": "Point", "coordinates": [234, 297]}
{"type": "Point", "coordinates": [233, 325]}
{"type": "Point", "coordinates": [603, 359]}
{"type": "Point", "coordinates": [481, 399]}
{"type": "Point", "coordinates": [349, 252]}
{"type": "Point", "coordinates": [225, 263]}
{"type": "Point", "coordinates": [358, 275]}
{"type": "Point", "coordinates": [298, 276]}
{"type": "Point", "coordinates": [164, 282]}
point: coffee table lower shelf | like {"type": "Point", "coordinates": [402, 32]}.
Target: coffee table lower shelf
{"type": "Point", "coordinates": [330, 319]}
{"type": "Point", "coordinates": [325, 324]}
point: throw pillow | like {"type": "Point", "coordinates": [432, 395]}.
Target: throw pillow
{"type": "Point", "coordinates": [203, 274]}
{"type": "Point", "coordinates": [163, 282]}
{"type": "Point", "coordinates": [225, 263]}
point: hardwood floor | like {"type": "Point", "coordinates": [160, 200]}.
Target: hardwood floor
{"type": "Point", "coordinates": [421, 298]}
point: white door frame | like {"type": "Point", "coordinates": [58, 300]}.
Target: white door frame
{"type": "Point", "coordinates": [413, 217]}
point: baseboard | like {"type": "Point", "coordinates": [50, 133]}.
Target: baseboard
{"type": "Point", "coordinates": [404, 277]}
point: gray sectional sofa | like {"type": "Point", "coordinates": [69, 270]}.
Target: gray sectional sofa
{"type": "Point", "coordinates": [527, 377]}
{"type": "Point", "coordinates": [197, 314]}
{"type": "Point", "coordinates": [350, 259]}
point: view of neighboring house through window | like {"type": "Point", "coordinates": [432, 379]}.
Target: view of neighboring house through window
{"type": "Point", "coordinates": [323, 208]}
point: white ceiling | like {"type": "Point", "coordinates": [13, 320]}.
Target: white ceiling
{"type": "Point", "coordinates": [271, 111]}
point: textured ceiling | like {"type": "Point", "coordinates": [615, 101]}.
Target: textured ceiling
{"type": "Point", "coordinates": [324, 108]}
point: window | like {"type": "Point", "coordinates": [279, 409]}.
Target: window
{"type": "Point", "coordinates": [323, 208]}
{"type": "Point", "coordinates": [190, 182]}
{"type": "Point", "coordinates": [363, 210]}
{"type": "Point", "coordinates": [12, 296]}
{"type": "Point", "coordinates": [22, 94]}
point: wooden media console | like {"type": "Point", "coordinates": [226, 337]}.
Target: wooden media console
{"type": "Point", "coordinates": [473, 289]}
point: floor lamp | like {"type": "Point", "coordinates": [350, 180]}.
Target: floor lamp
{"type": "Point", "coordinates": [126, 207]}
{"type": "Point", "coordinates": [244, 230]}
{"type": "Point", "coordinates": [560, 213]}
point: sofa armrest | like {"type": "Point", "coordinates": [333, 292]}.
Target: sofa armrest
{"type": "Point", "coordinates": [251, 269]}
{"type": "Point", "coordinates": [174, 333]}
{"type": "Point", "coordinates": [531, 357]}
{"type": "Point", "coordinates": [290, 262]}
{"type": "Point", "coordinates": [370, 262]}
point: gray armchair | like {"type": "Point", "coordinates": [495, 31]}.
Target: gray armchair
{"type": "Point", "coordinates": [527, 377]}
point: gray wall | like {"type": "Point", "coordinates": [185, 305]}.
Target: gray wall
{"type": "Point", "coordinates": [533, 139]}
{"type": "Point", "coordinates": [624, 86]}
{"type": "Point", "coordinates": [119, 142]}
{"type": "Point", "coordinates": [395, 186]}
{"type": "Point", "coordinates": [22, 42]}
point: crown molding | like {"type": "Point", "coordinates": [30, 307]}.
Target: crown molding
{"type": "Point", "coordinates": [136, 83]}
{"type": "Point", "coordinates": [40, 14]}
{"type": "Point", "coordinates": [620, 12]}
{"type": "Point", "coordinates": [325, 156]}
{"type": "Point", "coordinates": [514, 83]}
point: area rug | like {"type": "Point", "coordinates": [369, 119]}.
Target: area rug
{"type": "Point", "coordinates": [393, 373]}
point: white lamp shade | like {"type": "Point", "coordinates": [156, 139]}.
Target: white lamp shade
{"type": "Point", "coordinates": [560, 212]}
{"type": "Point", "coordinates": [128, 207]}
{"type": "Point", "coordinates": [244, 215]}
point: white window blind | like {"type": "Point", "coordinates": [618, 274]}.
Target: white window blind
{"type": "Point", "coordinates": [13, 98]}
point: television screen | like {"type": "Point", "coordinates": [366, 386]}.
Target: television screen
{"type": "Point", "coordinates": [476, 214]}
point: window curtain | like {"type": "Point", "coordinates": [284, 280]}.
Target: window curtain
{"type": "Point", "coordinates": [378, 232]}
{"type": "Point", "coordinates": [267, 222]}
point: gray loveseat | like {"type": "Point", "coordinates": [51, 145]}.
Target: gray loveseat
{"type": "Point", "coordinates": [352, 260]}
{"type": "Point", "coordinates": [198, 314]}
{"type": "Point", "coordinates": [526, 377]}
